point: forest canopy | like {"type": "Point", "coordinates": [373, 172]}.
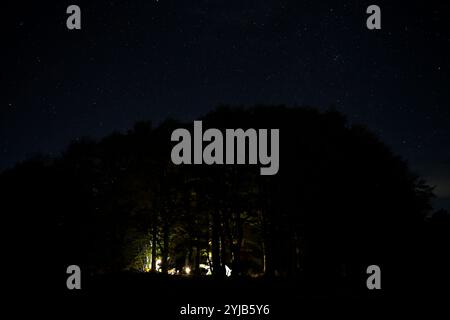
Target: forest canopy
{"type": "Point", "coordinates": [340, 201]}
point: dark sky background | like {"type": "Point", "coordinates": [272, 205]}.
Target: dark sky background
{"type": "Point", "coordinates": [148, 60]}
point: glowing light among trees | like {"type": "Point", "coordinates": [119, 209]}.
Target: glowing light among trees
{"type": "Point", "coordinates": [187, 270]}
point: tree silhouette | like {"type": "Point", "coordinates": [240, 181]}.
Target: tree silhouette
{"type": "Point", "coordinates": [341, 201]}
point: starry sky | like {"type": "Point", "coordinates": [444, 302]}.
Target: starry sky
{"type": "Point", "coordinates": [153, 59]}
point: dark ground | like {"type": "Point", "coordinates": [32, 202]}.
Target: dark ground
{"type": "Point", "coordinates": [156, 296]}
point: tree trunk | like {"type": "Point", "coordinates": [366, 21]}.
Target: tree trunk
{"type": "Point", "coordinates": [165, 251]}
{"type": "Point", "coordinates": [237, 246]}
{"type": "Point", "coordinates": [154, 235]}
{"type": "Point", "coordinates": [215, 245]}
{"type": "Point", "coordinates": [197, 259]}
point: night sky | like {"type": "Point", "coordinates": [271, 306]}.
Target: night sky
{"type": "Point", "coordinates": [149, 60]}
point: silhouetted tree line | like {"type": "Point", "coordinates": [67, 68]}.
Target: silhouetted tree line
{"type": "Point", "coordinates": [341, 201]}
